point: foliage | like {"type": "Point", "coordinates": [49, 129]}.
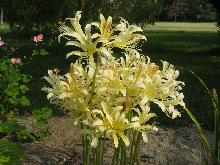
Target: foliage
{"type": "Point", "coordinates": [187, 10]}
{"type": "Point", "coordinates": [13, 90]}
{"type": "Point", "coordinates": [47, 14]}
{"type": "Point", "coordinates": [218, 22]}
{"type": "Point", "coordinates": [28, 17]}
{"type": "Point", "coordinates": [41, 116]}
{"type": "Point", "coordinates": [135, 11]}
{"type": "Point", "coordinates": [10, 153]}
{"type": "Point", "coordinates": [9, 126]}
{"type": "Point", "coordinates": [177, 8]}
{"type": "Point", "coordinates": [39, 52]}
{"type": "Point", "coordinates": [13, 87]}
{"type": "Point", "coordinates": [212, 155]}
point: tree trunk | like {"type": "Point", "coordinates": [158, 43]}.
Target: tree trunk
{"type": "Point", "coordinates": [81, 5]}
{"type": "Point", "coordinates": [2, 16]}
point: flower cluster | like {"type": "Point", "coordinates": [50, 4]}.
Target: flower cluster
{"type": "Point", "coordinates": [122, 36]}
{"type": "Point", "coordinates": [111, 96]}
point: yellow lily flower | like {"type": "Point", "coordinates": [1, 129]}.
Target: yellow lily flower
{"type": "Point", "coordinates": [113, 122]}
{"type": "Point", "coordinates": [139, 122]}
{"type": "Point", "coordinates": [105, 27]}
{"type": "Point", "coordinates": [83, 40]}
{"type": "Point", "coordinates": [127, 39]}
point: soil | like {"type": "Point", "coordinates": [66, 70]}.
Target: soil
{"type": "Point", "coordinates": [168, 146]}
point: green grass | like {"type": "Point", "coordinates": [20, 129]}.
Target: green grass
{"type": "Point", "coordinates": [189, 47]}
{"type": "Point", "coordinates": [182, 26]}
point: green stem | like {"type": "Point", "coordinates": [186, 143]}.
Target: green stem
{"type": "Point", "coordinates": [132, 148]}
{"type": "Point", "coordinates": [102, 149]}
{"type": "Point", "coordinates": [117, 155]}
{"type": "Point", "coordinates": [84, 147]}
{"type": "Point", "coordinates": [94, 79]}
{"type": "Point", "coordinates": [98, 153]}
{"type": "Point", "coordinates": [87, 149]}
{"type": "Point", "coordinates": [201, 132]}
{"type": "Point", "coordinates": [85, 142]}
{"type": "Point", "coordinates": [114, 157]}
{"type": "Point", "coordinates": [122, 152]}
{"type": "Point", "coordinates": [136, 149]}
{"type": "Point", "coordinates": [125, 155]}
{"type": "Point", "coordinates": [94, 156]}
{"type": "Point", "coordinates": [217, 126]}
{"type": "Point", "coordinates": [214, 99]}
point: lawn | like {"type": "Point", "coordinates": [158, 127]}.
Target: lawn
{"type": "Point", "coordinates": [189, 46]}
{"type": "Point", "coordinates": [182, 26]}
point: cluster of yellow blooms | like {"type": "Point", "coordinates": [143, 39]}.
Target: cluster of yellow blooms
{"type": "Point", "coordinates": [109, 95]}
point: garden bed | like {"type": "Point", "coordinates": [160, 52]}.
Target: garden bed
{"type": "Point", "coordinates": [167, 146]}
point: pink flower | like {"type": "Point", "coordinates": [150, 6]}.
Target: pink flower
{"type": "Point", "coordinates": [2, 43]}
{"type": "Point", "coordinates": [38, 38]}
{"type": "Point", "coordinates": [15, 60]}
{"type": "Point", "coordinates": [13, 49]}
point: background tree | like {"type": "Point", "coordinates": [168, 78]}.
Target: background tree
{"type": "Point", "coordinates": [178, 8]}
{"type": "Point", "coordinates": [216, 4]}
{"type": "Point", "coordinates": [188, 10]}
{"type": "Point", "coordinates": [28, 17]}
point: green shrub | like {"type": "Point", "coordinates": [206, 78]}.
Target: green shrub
{"type": "Point", "coordinates": [10, 153]}
{"type": "Point", "coordinates": [13, 86]}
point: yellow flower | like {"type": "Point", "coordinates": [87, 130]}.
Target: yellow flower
{"type": "Point", "coordinates": [113, 121]}
{"type": "Point", "coordinates": [128, 37]}
{"type": "Point", "coordinates": [71, 91]}
{"type": "Point", "coordinates": [139, 122]}
{"type": "Point", "coordinates": [105, 27]}
{"type": "Point", "coordinates": [84, 41]}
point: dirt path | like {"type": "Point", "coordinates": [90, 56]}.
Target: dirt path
{"type": "Point", "coordinates": [168, 146]}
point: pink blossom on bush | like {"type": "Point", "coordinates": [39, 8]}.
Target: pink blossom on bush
{"type": "Point", "coordinates": [12, 49]}
{"type": "Point", "coordinates": [1, 42]}
{"type": "Point", "coordinates": [15, 60]}
{"type": "Point", "coordinates": [38, 38]}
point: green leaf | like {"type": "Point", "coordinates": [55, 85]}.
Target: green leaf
{"type": "Point", "coordinates": [46, 112]}
{"type": "Point", "coordinates": [35, 52]}
{"type": "Point", "coordinates": [10, 153]}
{"type": "Point", "coordinates": [9, 126]}
{"type": "Point", "coordinates": [36, 114]}
{"type": "Point", "coordinates": [24, 88]}
{"type": "Point", "coordinates": [24, 101]}
{"type": "Point", "coordinates": [41, 123]}
{"type": "Point", "coordinates": [43, 52]}
{"type": "Point", "coordinates": [25, 134]}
